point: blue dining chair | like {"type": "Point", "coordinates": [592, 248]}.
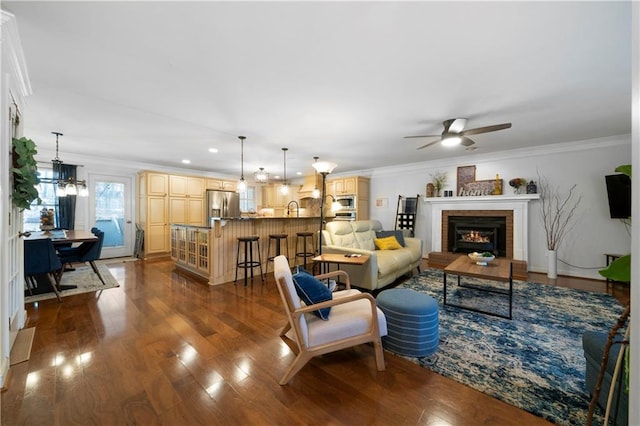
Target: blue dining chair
{"type": "Point", "coordinates": [40, 259]}
{"type": "Point", "coordinates": [89, 251]}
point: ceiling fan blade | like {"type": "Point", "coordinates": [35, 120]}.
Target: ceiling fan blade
{"type": "Point", "coordinates": [466, 141]}
{"type": "Point", "coordinates": [487, 129]}
{"type": "Point", "coordinates": [457, 125]}
{"type": "Point", "coordinates": [422, 136]}
{"type": "Point", "coordinates": [429, 144]}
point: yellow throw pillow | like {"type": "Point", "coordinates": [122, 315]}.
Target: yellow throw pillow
{"type": "Point", "coordinates": [387, 243]}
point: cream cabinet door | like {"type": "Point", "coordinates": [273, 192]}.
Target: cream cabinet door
{"type": "Point", "coordinates": [157, 231]}
{"type": "Point", "coordinates": [195, 211]}
{"type": "Point", "coordinates": [157, 184]}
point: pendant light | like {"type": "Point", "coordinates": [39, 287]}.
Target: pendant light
{"type": "Point", "coordinates": [71, 185]}
{"type": "Point", "coordinates": [316, 192]}
{"type": "Point", "coordinates": [242, 185]}
{"type": "Point", "coordinates": [261, 176]}
{"type": "Point", "coordinates": [284, 189]}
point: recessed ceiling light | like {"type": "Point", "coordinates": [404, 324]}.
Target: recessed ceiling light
{"type": "Point", "coordinates": [299, 173]}
{"type": "Point", "coordinates": [213, 150]}
{"type": "Point", "coordinates": [185, 161]}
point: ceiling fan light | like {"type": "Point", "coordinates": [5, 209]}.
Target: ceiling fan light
{"type": "Point", "coordinates": [451, 141]}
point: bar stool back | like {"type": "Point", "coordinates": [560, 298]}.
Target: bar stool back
{"type": "Point", "coordinates": [303, 239]}
{"type": "Point", "coordinates": [277, 240]}
{"type": "Point", "coordinates": [247, 261]}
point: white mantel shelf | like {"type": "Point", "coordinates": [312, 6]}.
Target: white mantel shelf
{"type": "Point", "coordinates": [485, 198]}
{"type": "Point", "coordinates": [517, 203]}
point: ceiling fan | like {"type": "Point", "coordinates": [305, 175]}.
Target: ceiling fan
{"type": "Point", "coordinates": [454, 133]}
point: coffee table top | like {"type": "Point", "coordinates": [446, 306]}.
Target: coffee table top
{"type": "Point", "coordinates": [498, 270]}
{"type": "Point", "coordinates": [341, 259]}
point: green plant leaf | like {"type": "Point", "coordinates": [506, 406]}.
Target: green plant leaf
{"type": "Point", "coordinates": [618, 270]}
{"type": "Point", "coordinates": [626, 169]}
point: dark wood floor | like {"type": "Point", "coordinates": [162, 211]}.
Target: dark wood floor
{"type": "Point", "coordinates": [165, 349]}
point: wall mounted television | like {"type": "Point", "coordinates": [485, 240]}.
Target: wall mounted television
{"type": "Point", "coordinates": [619, 195]}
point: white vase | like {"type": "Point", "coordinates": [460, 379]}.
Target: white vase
{"type": "Point", "coordinates": [552, 264]}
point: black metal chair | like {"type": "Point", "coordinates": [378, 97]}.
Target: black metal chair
{"type": "Point", "coordinates": [41, 260]}
{"type": "Point", "coordinates": [88, 251]}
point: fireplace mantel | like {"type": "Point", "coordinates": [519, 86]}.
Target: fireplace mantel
{"type": "Point", "coordinates": [517, 203]}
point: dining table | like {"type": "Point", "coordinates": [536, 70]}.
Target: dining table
{"type": "Point", "coordinates": [60, 238]}
{"type": "Point", "coordinates": [63, 236]}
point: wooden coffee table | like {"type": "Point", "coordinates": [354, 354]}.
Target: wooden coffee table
{"type": "Point", "coordinates": [497, 270]}
{"type": "Point", "coordinates": [340, 259]}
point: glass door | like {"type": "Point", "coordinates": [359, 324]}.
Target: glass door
{"type": "Point", "coordinates": [111, 213]}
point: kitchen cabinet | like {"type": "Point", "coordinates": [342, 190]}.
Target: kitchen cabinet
{"type": "Point", "coordinates": [221, 184]}
{"type": "Point", "coordinates": [153, 212]}
{"type": "Point", "coordinates": [164, 199]}
{"type": "Point", "coordinates": [186, 186]}
{"type": "Point", "coordinates": [352, 185]}
{"type": "Point", "coordinates": [186, 210]}
{"type": "Point", "coordinates": [273, 198]}
{"type": "Point", "coordinates": [344, 186]}
{"type": "Point", "coordinates": [190, 249]}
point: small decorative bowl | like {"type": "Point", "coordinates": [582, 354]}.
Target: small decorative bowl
{"type": "Point", "coordinates": [480, 259]}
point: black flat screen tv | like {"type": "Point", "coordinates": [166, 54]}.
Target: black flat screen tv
{"type": "Point", "coordinates": [619, 194]}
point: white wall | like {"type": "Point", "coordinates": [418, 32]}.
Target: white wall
{"type": "Point", "coordinates": [584, 163]}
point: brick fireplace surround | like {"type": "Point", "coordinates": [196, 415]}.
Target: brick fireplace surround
{"type": "Point", "coordinates": [514, 207]}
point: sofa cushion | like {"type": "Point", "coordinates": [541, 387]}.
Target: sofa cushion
{"type": "Point", "coordinates": [311, 291]}
{"type": "Point", "coordinates": [397, 233]}
{"type": "Point", "coordinates": [387, 243]}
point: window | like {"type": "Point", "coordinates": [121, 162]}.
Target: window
{"type": "Point", "coordinates": [47, 192]}
{"type": "Point", "coordinates": [248, 200]}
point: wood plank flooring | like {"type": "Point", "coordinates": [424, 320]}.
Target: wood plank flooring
{"type": "Point", "coordinates": [168, 350]}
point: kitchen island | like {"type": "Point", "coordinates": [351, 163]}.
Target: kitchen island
{"type": "Point", "coordinates": [210, 252]}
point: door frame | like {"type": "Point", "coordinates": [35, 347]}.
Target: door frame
{"type": "Point", "coordinates": [129, 206]}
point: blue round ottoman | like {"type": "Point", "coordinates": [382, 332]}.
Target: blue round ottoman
{"type": "Point", "coordinates": [412, 322]}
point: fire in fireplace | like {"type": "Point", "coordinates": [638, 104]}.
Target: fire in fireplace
{"type": "Point", "coordinates": [469, 234]}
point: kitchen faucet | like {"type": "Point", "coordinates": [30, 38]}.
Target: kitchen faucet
{"type": "Point", "coordinates": [297, 208]}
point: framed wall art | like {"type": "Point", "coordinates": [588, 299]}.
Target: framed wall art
{"type": "Point", "coordinates": [466, 174]}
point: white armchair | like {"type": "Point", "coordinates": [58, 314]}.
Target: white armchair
{"type": "Point", "coordinates": [354, 319]}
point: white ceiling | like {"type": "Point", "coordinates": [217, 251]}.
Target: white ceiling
{"type": "Point", "coordinates": [161, 81]}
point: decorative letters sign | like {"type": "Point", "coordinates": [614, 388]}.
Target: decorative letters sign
{"type": "Point", "coordinates": [479, 187]}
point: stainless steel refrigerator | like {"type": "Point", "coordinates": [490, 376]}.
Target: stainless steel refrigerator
{"type": "Point", "coordinates": [223, 204]}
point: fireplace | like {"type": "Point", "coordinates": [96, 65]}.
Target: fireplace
{"type": "Point", "coordinates": [467, 234]}
{"type": "Point", "coordinates": [463, 231]}
{"type": "Point", "coordinates": [515, 208]}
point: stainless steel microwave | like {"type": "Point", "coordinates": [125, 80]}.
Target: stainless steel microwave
{"type": "Point", "coordinates": [347, 202]}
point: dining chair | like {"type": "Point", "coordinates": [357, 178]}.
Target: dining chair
{"type": "Point", "coordinates": [89, 251]}
{"type": "Point", "coordinates": [40, 259]}
{"type": "Point", "coordinates": [350, 318]}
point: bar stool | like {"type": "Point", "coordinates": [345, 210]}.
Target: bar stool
{"type": "Point", "coordinates": [277, 239]}
{"type": "Point", "coordinates": [304, 238]}
{"type": "Point", "coordinates": [248, 262]}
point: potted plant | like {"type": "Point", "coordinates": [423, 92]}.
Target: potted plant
{"type": "Point", "coordinates": [439, 179]}
{"type": "Point", "coordinates": [24, 173]}
{"type": "Point", "coordinates": [556, 213]}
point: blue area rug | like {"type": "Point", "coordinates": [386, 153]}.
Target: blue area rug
{"type": "Point", "coordinates": [534, 361]}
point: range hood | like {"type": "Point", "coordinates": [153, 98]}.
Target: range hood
{"type": "Point", "coordinates": [306, 190]}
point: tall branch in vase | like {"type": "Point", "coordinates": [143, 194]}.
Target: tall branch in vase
{"type": "Point", "coordinates": [556, 212]}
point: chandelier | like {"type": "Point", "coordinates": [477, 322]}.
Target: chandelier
{"type": "Point", "coordinates": [261, 176]}
{"type": "Point", "coordinates": [70, 186]}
